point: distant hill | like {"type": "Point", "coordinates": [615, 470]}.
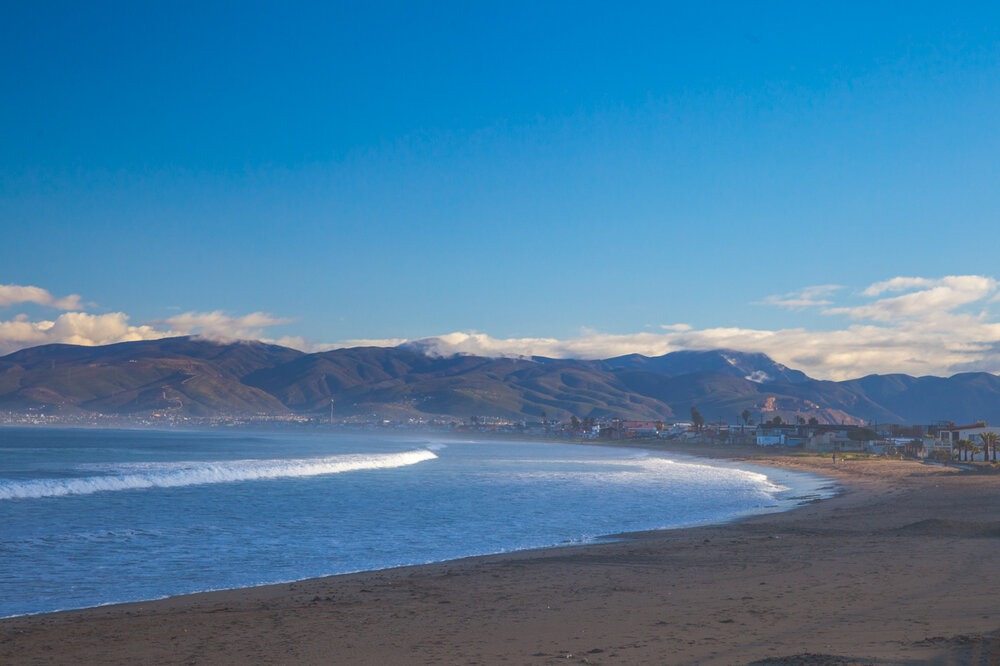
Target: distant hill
{"type": "Point", "coordinates": [378, 380]}
{"type": "Point", "coordinates": [196, 377]}
{"type": "Point", "coordinates": [200, 377]}
{"type": "Point", "coordinates": [752, 367]}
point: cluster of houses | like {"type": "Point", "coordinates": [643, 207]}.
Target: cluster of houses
{"type": "Point", "coordinates": [942, 440]}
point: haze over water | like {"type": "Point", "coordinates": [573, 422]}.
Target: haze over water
{"type": "Point", "coordinates": [95, 516]}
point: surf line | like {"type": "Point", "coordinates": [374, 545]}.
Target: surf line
{"type": "Point", "coordinates": [177, 474]}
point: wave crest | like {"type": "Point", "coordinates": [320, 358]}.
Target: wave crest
{"type": "Point", "coordinates": [135, 476]}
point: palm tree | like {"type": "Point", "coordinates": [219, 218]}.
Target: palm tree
{"type": "Point", "coordinates": [962, 446]}
{"type": "Point", "coordinates": [989, 440]}
{"type": "Point", "coordinates": [973, 449]}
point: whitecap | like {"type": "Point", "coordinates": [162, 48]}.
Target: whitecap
{"type": "Point", "coordinates": [134, 476]}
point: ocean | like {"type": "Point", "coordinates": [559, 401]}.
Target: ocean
{"type": "Point", "coordinates": [91, 517]}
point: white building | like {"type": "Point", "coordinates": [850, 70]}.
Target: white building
{"type": "Point", "coordinates": [947, 438]}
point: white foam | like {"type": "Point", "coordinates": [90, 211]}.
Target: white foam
{"type": "Point", "coordinates": [652, 469]}
{"type": "Point", "coordinates": [133, 476]}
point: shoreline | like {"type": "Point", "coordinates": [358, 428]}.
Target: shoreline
{"type": "Point", "coordinates": [802, 481]}
{"type": "Point", "coordinates": [826, 578]}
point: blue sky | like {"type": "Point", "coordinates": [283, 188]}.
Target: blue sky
{"type": "Point", "coordinates": [565, 178]}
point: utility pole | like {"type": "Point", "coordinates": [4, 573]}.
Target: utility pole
{"type": "Point", "coordinates": [331, 411]}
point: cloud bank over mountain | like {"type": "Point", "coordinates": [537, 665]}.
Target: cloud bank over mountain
{"type": "Point", "coordinates": [81, 328]}
{"type": "Point", "coordinates": [913, 325]}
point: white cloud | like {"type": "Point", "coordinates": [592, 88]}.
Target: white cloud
{"type": "Point", "coordinates": [81, 328]}
{"type": "Point", "coordinates": [219, 326]}
{"type": "Point", "coordinates": [357, 342]}
{"type": "Point", "coordinates": [896, 284]}
{"type": "Point", "coordinates": [923, 332]}
{"type": "Point", "coordinates": [931, 300]}
{"type": "Point", "coordinates": [75, 328]}
{"type": "Point", "coordinates": [294, 342]}
{"type": "Point", "coordinates": [11, 294]}
{"type": "Point", "coordinates": [928, 326]}
{"type": "Point", "coordinates": [809, 297]}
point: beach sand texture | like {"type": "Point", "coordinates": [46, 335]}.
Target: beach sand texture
{"type": "Point", "coordinates": [903, 567]}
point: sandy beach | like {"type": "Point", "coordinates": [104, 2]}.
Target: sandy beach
{"type": "Point", "coordinates": [899, 568]}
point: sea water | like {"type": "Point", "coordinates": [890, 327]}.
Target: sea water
{"type": "Point", "coordinates": [91, 517]}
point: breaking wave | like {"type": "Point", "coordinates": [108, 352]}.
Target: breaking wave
{"type": "Point", "coordinates": [133, 476]}
{"type": "Point", "coordinates": [643, 468]}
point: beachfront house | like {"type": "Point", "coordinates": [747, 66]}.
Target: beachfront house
{"type": "Point", "coordinates": [948, 438]}
{"type": "Point", "coordinates": [782, 434]}
{"type": "Point", "coordinates": [770, 436]}
{"type": "Point", "coordinates": [641, 429]}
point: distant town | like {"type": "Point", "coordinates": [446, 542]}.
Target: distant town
{"type": "Point", "coordinates": [941, 442]}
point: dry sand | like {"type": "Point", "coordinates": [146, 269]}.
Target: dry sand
{"type": "Point", "coordinates": [903, 567]}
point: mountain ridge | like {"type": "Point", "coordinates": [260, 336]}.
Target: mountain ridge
{"type": "Point", "coordinates": [201, 377]}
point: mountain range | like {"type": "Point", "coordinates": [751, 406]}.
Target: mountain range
{"type": "Point", "coordinates": [200, 377]}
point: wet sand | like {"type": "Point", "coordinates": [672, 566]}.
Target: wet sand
{"type": "Point", "coordinates": [903, 567]}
